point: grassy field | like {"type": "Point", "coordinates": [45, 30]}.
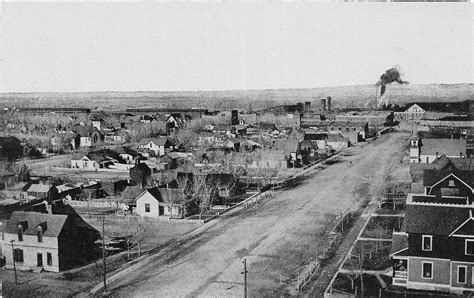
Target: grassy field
{"type": "Point", "coordinates": [344, 96]}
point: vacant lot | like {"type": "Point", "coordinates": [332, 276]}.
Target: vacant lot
{"type": "Point", "coordinates": [278, 238]}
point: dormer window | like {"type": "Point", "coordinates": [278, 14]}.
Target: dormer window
{"type": "Point", "coordinates": [20, 233]}
{"type": "Point", "coordinates": [427, 243]}
{"type": "Point", "coordinates": [39, 234]}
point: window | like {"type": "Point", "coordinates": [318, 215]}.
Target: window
{"type": "Point", "coordinates": [470, 247]}
{"type": "Point", "coordinates": [39, 234]}
{"type": "Point", "coordinates": [451, 183]}
{"type": "Point", "coordinates": [147, 208]}
{"type": "Point", "coordinates": [462, 274]}
{"type": "Point", "coordinates": [427, 270]}
{"type": "Point", "coordinates": [20, 233]}
{"type": "Point", "coordinates": [18, 255]}
{"type": "Point", "coordinates": [427, 243]}
{"type": "Point", "coordinates": [49, 259]}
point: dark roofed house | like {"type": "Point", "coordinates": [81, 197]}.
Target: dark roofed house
{"type": "Point", "coordinates": [140, 173]}
{"type": "Point", "coordinates": [435, 249]}
{"type": "Point", "coordinates": [431, 149]}
{"type": "Point", "coordinates": [50, 242]}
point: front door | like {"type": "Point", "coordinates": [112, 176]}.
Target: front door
{"type": "Point", "coordinates": [39, 260]}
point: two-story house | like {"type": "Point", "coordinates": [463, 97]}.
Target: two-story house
{"type": "Point", "coordinates": [44, 241]}
{"type": "Point", "coordinates": [435, 249]}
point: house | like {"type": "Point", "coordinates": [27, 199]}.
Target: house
{"type": "Point", "coordinates": [249, 146]}
{"type": "Point", "coordinates": [291, 150]}
{"type": "Point", "coordinates": [93, 161]}
{"type": "Point", "coordinates": [435, 248]}
{"type": "Point", "coordinates": [86, 136]}
{"type": "Point", "coordinates": [127, 155]}
{"type": "Point", "coordinates": [174, 122]}
{"type": "Point", "coordinates": [140, 173]}
{"type": "Point", "coordinates": [41, 190]}
{"type": "Point", "coordinates": [414, 112]}
{"type": "Point", "coordinates": [44, 241]}
{"type": "Point", "coordinates": [160, 202]}
{"type": "Point", "coordinates": [158, 145]}
{"type": "Point", "coordinates": [431, 149]}
{"type": "Point", "coordinates": [337, 141]}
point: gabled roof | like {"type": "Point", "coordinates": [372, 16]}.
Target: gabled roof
{"type": "Point", "coordinates": [433, 219]}
{"type": "Point", "coordinates": [163, 195]}
{"type": "Point", "coordinates": [433, 177]}
{"type": "Point", "coordinates": [466, 228]}
{"type": "Point", "coordinates": [31, 220]}
{"type": "Point", "coordinates": [449, 147]}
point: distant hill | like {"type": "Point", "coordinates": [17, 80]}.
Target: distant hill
{"type": "Point", "coordinates": [344, 96]}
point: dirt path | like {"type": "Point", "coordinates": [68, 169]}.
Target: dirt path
{"type": "Point", "coordinates": [277, 238]}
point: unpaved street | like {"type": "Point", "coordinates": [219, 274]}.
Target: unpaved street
{"type": "Point", "coordinates": [277, 238]}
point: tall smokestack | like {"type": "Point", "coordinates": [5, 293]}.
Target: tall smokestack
{"type": "Point", "coordinates": [323, 104]}
{"type": "Point", "coordinates": [329, 103]}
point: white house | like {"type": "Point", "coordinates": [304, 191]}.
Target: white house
{"type": "Point", "coordinates": [84, 162]}
{"type": "Point", "coordinates": [156, 145]}
{"type": "Point", "coordinates": [160, 202]}
{"type": "Point", "coordinates": [414, 112]}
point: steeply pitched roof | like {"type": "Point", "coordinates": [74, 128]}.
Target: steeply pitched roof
{"type": "Point", "coordinates": [449, 147]}
{"type": "Point", "coordinates": [31, 220]}
{"type": "Point", "coordinates": [431, 177]}
{"type": "Point", "coordinates": [433, 219]}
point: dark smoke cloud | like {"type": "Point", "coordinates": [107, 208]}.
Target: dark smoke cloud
{"type": "Point", "coordinates": [390, 76]}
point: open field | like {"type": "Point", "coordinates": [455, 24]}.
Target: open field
{"type": "Point", "coordinates": [278, 238]}
{"type": "Point", "coordinates": [343, 96]}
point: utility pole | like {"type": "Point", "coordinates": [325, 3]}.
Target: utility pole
{"type": "Point", "coordinates": [14, 266]}
{"type": "Point", "coordinates": [245, 277]}
{"type": "Point", "coordinates": [361, 260]}
{"type": "Point", "coordinates": [103, 256]}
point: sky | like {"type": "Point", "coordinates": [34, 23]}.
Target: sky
{"type": "Point", "coordinates": [74, 47]}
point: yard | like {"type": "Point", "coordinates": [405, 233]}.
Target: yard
{"type": "Point", "coordinates": [381, 227]}
{"type": "Point", "coordinates": [350, 283]}
{"type": "Point", "coordinates": [374, 255]}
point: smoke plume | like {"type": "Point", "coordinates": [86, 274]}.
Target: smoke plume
{"type": "Point", "coordinates": [390, 76]}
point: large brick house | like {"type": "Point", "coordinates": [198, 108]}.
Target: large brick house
{"type": "Point", "coordinates": [50, 242]}
{"type": "Point", "coordinates": [435, 249]}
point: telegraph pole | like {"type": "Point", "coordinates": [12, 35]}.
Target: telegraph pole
{"type": "Point", "coordinates": [245, 277]}
{"type": "Point", "coordinates": [361, 260]}
{"type": "Point", "coordinates": [14, 266]}
{"type": "Point", "coordinates": [103, 256]}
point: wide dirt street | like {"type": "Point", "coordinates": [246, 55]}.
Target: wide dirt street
{"type": "Point", "coordinates": [277, 238]}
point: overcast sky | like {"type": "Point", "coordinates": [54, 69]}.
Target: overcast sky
{"type": "Point", "coordinates": [125, 46]}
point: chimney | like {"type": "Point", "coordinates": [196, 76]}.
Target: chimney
{"type": "Point", "coordinates": [436, 155]}
{"type": "Point", "coordinates": [329, 103]}
{"type": "Point", "coordinates": [49, 208]}
{"type": "Point", "coordinates": [323, 104]}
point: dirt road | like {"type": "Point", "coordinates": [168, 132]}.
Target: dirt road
{"type": "Point", "coordinates": [278, 238]}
